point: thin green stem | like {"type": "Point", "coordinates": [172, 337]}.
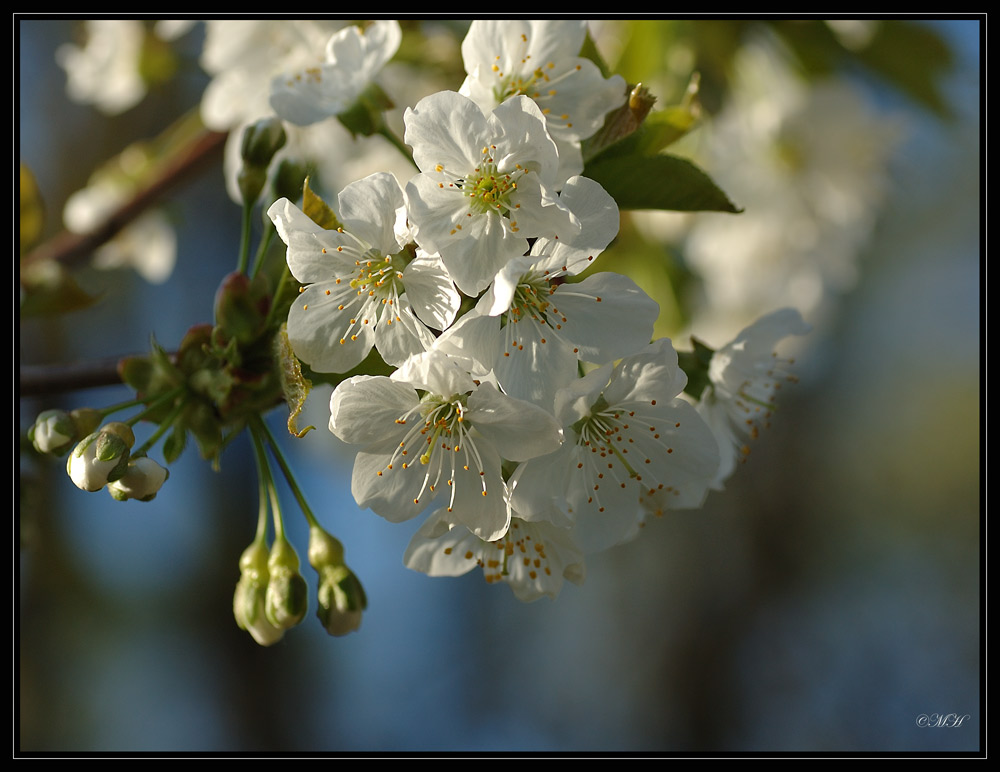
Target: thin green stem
{"type": "Point", "coordinates": [161, 429]}
{"type": "Point", "coordinates": [265, 242]}
{"type": "Point", "coordinates": [277, 293]}
{"type": "Point", "coordinates": [398, 143]}
{"type": "Point", "coordinates": [286, 470]}
{"type": "Point", "coordinates": [264, 469]}
{"type": "Point", "coordinates": [156, 404]}
{"type": "Point", "coordinates": [245, 228]}
{"type": "Point", "coordinates": [261, 534]}
{"type": "Point", "coordinates": [106, 411]}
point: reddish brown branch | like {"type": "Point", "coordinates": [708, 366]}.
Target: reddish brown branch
{"type": "Point", "coordinates": [67, 247]}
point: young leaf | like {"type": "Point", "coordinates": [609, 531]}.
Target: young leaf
{"type": "Point", "coordinates": [658, 182]}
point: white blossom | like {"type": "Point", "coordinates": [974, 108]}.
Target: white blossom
{"type": "Point", "coordinates": [745, 376]}
{"type": "Point", "coordinates": [627, 434]}
{"type": "Point", "coordinates": [433, 431]}
{"type": "Point", "coordinates": [532, 558]}
{"type": "Point", "coordinates": [104, 71]}
{"type": "Point", "coordinates": [541, 60]}
{"type": "Point", "coordinates": [365, 284]}
{"type": "Point", "coordinates": [486, 184]}
{"type": "Point", "coordinates": [354, 56]}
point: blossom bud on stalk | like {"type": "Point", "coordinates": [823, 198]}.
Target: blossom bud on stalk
{"type": "Point", "coordinates": [55, 431]}
{"type": "Point", "coordinates": [287, 594]}
{"type": "Point", "coordinates": [248, 600]}
{"type": "Point", "coordinates": [102, 457]}
{"type": "Point", "coordinates": [261, 140]}
{"type": "Point", "coordinates": [341, 597]}
{"type": "Point", "coordinates": [142, 480]}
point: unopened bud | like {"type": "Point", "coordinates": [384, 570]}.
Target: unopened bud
{"type": "Point", "coordinates": [248, 599]}
{"type": "Point", "coordinates": [287, 593]}
{"type": "Point", "coordinates": [341, 600]}
{"type": "Point", "coordinates": [101, 457]}
{"type": "Point", "coordinates": [261, 140]}
{"type": "Point", "coordinates": [341, 596]}
{"type": "Point", "coordinates": [53, 432]}
{"type": "Point", "coordinates": [240, 308]}
{"type": "Point", "coordinates": [142, 480]}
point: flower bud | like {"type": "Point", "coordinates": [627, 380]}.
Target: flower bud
{"type": "Point", "coordinates": [53, 432]}
{"type": "Point", "coordinates": [102, 457]}
{"type": "Point", "coordinates": [142, 479]}
{"type": "Point", "coordinates": [341, 600]}
{"type": "Point", "coordinates": [248, 600]}
{"type": "Point", "coordinates": [261, 140]}
{"type": "Point", "coordinates": [241, 308]}
{"type": "Point", "coordinates": [341, 596]}
{"type": "Point", "coordinates": [287, 593]}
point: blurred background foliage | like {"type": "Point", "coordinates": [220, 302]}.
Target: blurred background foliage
{"type": "Point", "coordinates": [821, 603]}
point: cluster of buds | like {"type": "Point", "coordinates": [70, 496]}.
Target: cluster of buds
{"type": "Point", "coordinates": [101, 458]}
{"type": "Point", "coordinates": [272, 596]}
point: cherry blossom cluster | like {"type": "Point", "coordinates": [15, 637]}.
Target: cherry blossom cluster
{"type": "Point", "coordinates": [529, 406]}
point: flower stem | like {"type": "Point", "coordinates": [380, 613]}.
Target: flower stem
{"type": "Point", "coordinates": [264, 470]}
{"type": "Point", "coordinates": [245, 227]}
{"type": "Point", "coordinates": [265, 242]}
{"type": "Point", "coordinates": [161, 429]}
{"type": "Point", "coordinates": [397, 143]}
{"type": "Point", "coordinates": [156, 404]}
{"type": "Point", "coordinates": [289, 477]}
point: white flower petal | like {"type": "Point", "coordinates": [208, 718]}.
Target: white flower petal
{"type": "Point", "coordinates": [517, 429]}
{"type": "Point", "coordinates": [364, 409]}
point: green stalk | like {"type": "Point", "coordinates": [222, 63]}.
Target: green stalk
{"type": "Point", "coordinates": [161, 429]}
{"type": "Point", "coordinates": [289, 477]}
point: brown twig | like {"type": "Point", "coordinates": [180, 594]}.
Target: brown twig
{"type": "Point", "coordinates": [44, 380]}
{"type": "Point", "coordinates": [67, 247]}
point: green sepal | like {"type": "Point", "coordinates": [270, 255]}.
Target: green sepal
{"type": "Point", "coordinates": [317, 209]}
{"type": "Point", "coordinates": [367, 115]}
{"type": "Point", "coordinates": [119, 469]}
{"type": "Point", "coordinates": [174, 444]}
{"type": "Point", "coordinates": [293, 385]}
{"type": "Point", "coordinates": [695, 364]}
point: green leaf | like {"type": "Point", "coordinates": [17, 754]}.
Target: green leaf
{"type": "Point", "coordinates": [49, 289]}
{"type": "Point", "coordinates": [658, 182]}
{"type": "Point", "coordinates": [318, 210]}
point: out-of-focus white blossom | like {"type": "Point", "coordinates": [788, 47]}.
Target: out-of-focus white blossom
{"type": "Point", "coordinates": [745, 376]}
{"type": "Point", "coordinates": [148, 244]}
{"type": "Point", "coordinates": [808, 161]}
{"type": "Point", "coordinates": [104, 71]}
{"type": "Point", "coordinates": [354, 56]}
{"type": "Point", "coordinates": [533, 558]}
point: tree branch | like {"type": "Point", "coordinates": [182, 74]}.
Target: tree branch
{"type": "Point", "coordinates": [68, 248]}
{"type": "Point", "coordinates": [43, 380]}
